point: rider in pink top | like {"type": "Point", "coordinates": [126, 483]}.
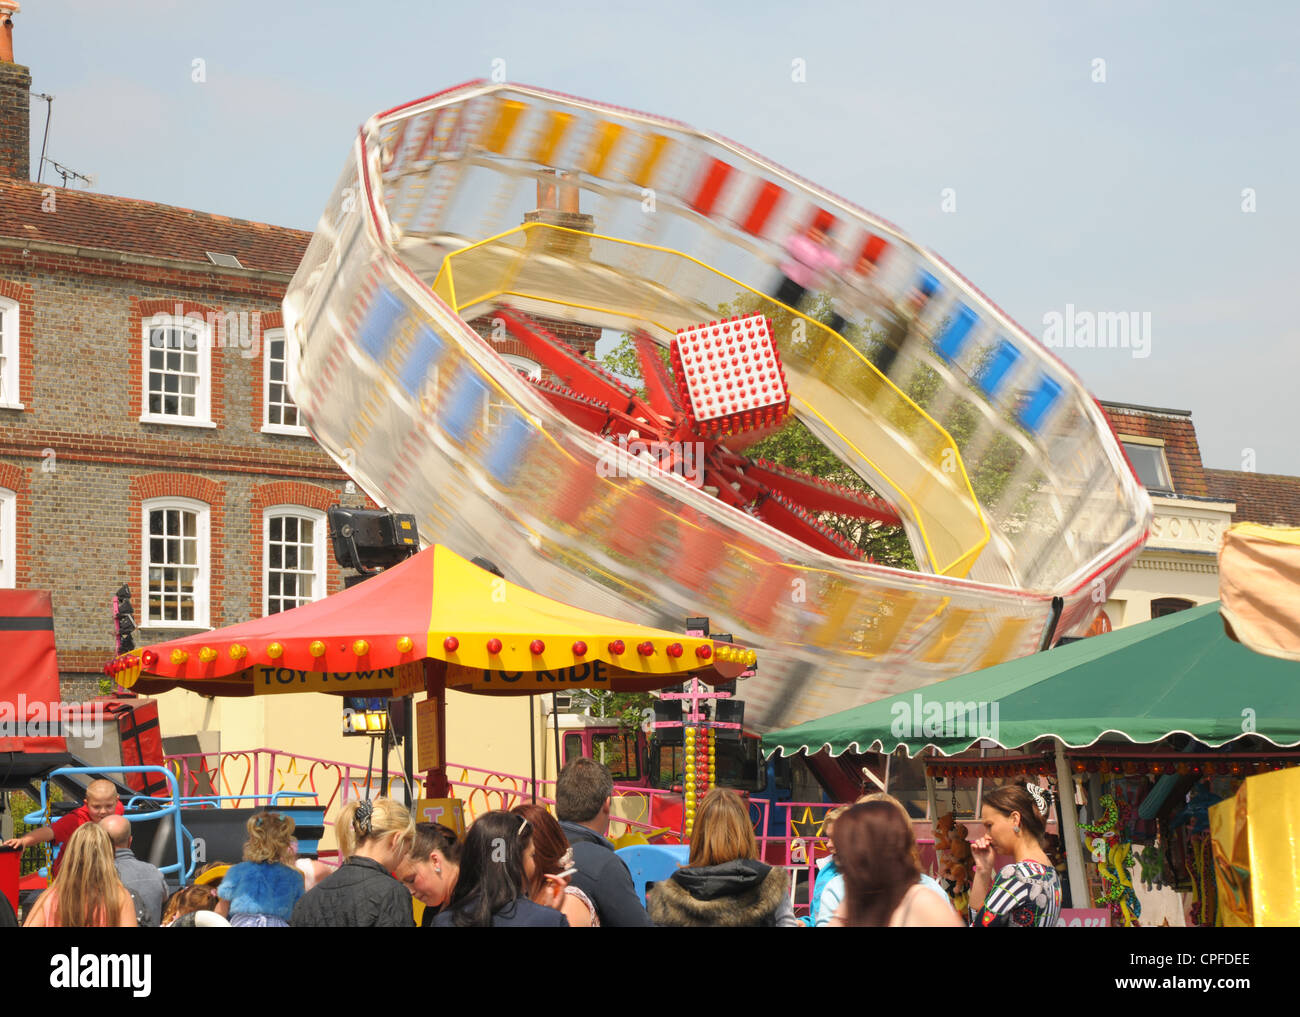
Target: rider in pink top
{"type": "Point", "coordinates": [810, 259]}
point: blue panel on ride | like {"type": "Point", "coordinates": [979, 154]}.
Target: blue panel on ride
{"type": "Point", "coordinates": [428, 348]}
{"type": "Point", "coordinates": [506, 454]}
{"type": "Point", "coordinates": [1040, 403]}
{"type": "Point", "coordinates": [1004, 358]}
{"type": "Point", "coordinates": [376, 330]}
{"type": "Point", "coordinates": [465, 409]}
{"type": "Point", "coordinates": [954, 337]}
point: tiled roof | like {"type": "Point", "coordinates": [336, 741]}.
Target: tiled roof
{"type": "Point", "coordinates": [83, 219]}
{"type": "Point", "coordinates": [1181, 448]}
{"type": "Point", "coordinates": [1261, 497]}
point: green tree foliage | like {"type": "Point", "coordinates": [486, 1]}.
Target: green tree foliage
{"type": "Point", "coordinates": [627, 709]}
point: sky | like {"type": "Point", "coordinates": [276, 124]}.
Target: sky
{"type": "Point", "coordinates": [1125, 157]}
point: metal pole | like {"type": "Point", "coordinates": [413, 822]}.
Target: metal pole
{"type": "Point", "coordinates": [532, 746]}
{"type": "Point", "coordinates": [1070, 830]}
{"type": "Point", "coordinates": [932, 799]}
{"type": "Point", "coordinates": [408, 749]}
{"type": "Point", "coordinates": [555, 712]}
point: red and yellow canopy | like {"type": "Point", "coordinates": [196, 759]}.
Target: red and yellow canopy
{"type": "Point", "coordinates": [492, 637]}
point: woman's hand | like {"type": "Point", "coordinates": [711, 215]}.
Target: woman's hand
{"type": "Point", "coordinates": [982, 850]}
{"type": "Point", "coordinates": [551, 894]}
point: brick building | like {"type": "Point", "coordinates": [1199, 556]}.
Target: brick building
{"type": "Point", "coordinates": [1194, 507]}
{"type": "Point", "coordinates": [147, 437]}
{"type": "Point", "coordinates": [1179, 566]}
{"type": "Point", "coordinates": [1268, 498]}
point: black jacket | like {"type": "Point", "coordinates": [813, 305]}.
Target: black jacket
{"type": "Point", "coordinates": [361, 895]}
{"type": "Point", "coordinates": [603, 876]}
{"type": "Point", "coordinates": [520, 912]}
{"type": "Point", "coordinates": [739, 893]}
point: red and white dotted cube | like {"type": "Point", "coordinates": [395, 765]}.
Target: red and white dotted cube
{"type": "Point", "coordinates": [729, 375]}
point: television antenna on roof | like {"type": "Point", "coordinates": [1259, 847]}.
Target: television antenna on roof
{"type": "Point", "coordinates": [63, 171]}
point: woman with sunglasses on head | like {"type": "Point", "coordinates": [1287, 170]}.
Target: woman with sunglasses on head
{"type": "Point", "coordinates": [1027, 892]}
{"type": "Point", "coordinates": [373, 839]}
{"type": "Point", "coordinates": [547, 859]}
{"type": "Point", "coordinates": [492, 890]}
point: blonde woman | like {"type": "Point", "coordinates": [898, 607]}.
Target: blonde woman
{"type": "Point", "coordinates": [723, 883]}
{"type": "Point", "coordinates": [261, 890]}
{"type": "Point", "coordinates": [87, 892]}
{"type": "Point", "coordinates": [373, 837]}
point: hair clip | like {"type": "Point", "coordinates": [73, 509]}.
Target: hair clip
{"type": "Point", "coordinates": [1036, 793]}
{"type": "Point", "coordinates": [523, 825]}
{"type": "Point", "coordinates": [361, 820]}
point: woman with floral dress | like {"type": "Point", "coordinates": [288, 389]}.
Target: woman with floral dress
{"type": "Point", "coordinates": [1028, 891]}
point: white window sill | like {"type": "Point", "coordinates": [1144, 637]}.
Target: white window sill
{"type": "Point", "coordinates": [159, 626]}
{"type": "Point", "coordinates": [12, 406]}
{"type": "Point", "coordinates": [147, 418]}
{"type": "Point", "coordinates": [295, 432]}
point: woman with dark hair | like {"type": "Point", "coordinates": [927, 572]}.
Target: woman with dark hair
{"type": "Point", "coordinates": [723, 883]}
{"type": "Point", "coordinates": [882, 880]}
{"type": "Point", "coordinates": [491, 890]}
{"type": "Point", "coordinates": [546, 858]}
{"type": "Point", "coordinates": [432, 868]}
{"type": "Point", "coordinates": [1028, 891]}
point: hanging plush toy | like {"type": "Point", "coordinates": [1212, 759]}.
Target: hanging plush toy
{"type": "Point", "coordinates": [953, 853]}
{"type": "Point", "coordinates": [1155, 867]}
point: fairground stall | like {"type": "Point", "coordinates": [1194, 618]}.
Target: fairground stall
{"type": "Point", "coordinates": [1145, 731]}
{"type": "Point", "coordinates": [429, 624]}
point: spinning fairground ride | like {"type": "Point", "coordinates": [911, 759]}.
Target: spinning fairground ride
{"type": "Point", "coordinates": [474, 225]}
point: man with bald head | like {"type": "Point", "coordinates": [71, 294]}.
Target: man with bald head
{"type": "Point", "coordinates": [145, 881]}
{"type": "Point", "coordinates": [101, 802]}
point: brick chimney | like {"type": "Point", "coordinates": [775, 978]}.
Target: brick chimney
{"type": "Point", "coordinates": [557, 205]}
{"type": "Point", "coordinates": [15, 103]}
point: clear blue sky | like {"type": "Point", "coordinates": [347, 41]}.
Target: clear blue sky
{"type": "Point", "coordinates": [1115, 195]}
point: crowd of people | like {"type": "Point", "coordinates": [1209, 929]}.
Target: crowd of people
{"type": "Point", "coordinates": [527, 867]}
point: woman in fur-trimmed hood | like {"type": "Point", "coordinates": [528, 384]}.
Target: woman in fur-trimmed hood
{"type": "Point", "coordinates": [723, 883]}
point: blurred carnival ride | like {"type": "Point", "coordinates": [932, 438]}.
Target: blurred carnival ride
{"type": "Point", "coordinates": [646, 506]}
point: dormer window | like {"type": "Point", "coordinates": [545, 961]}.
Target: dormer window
{"type": "Point", "coordinates": [1148, 458]}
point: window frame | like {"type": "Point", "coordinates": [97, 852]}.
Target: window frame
{"type": "Point", "coordinates": [1170, 605]}
{"type": "Point", "coordinates": [321, 571]}
{"type": "Point", "coordinates": [290, 362]}
{"type": "Point", "coordinates": [11, 372]}
{"type": "Point", "coordinates": [203, 582]}
{"type": "Point", "coordinates": [530, 369]}
{"type": "Point", "coordinates": [1133, 442]}
{"type": "Point", "coordinates": [8, 538]}
{"type": "Point", "coordinates": [203, 395]}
